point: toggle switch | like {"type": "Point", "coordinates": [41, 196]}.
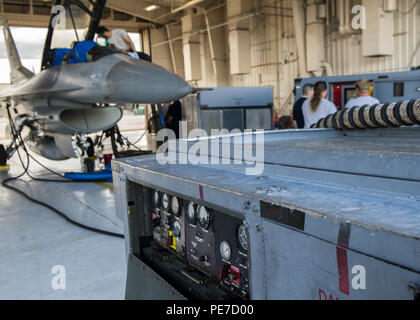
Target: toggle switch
{"type": "Point", "coordinates": [176, 233]}
{"type": "Point", "coordinates": [155, 220]}
{"type": "Point", "coordinates": [223, 272]}
{"type": "Point", "coordinates": [232, 276]}
{"type": "Point", "coordinates": [235, 275]}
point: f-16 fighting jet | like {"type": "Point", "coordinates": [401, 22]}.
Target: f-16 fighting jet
{"type": "Point", "coordinates": [81, 86]}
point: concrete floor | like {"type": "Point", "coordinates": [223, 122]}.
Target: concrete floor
{"type": "Point", "coordinates": [33, 240]}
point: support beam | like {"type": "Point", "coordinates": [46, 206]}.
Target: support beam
{"type": "Point", "coordinates": [136, 8]}
{"type": "Point", "coordinates": [217, 44]}
{"type": "Point", "coordinates": [41, 21]}
{"type": "Point", "coordinates": [171, 48]}
{"type": "Point", "coordinates": [186, 6]}
{"type": "Point", "coordinates": [315, 38]}
{"type": "Point", "coordinates": [129, 26]}
{"type": "Point", "coordinates": [24, 20]}
{"type": "Point", "coordinates": [147, 49]}
{"type": "Point", "coordinates": [161, 55]}
{"type": "Point", "coordinates": [191, 47]}
{"type": "Point", "coordinates": [299, 21]}
{"type": "Point", "coordinates": [212, 55]}
{"type": "Point", "coordinates": [239, 37]}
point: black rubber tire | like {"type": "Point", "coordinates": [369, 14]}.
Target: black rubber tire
{"type": "Point", "coordinates": [3, 155]}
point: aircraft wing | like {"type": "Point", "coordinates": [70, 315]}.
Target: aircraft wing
{"type": "Point", "coordinates": [44, 83]}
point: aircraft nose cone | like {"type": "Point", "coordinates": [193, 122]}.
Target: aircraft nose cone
{"type": "Point", "coordinates": [138, 81]}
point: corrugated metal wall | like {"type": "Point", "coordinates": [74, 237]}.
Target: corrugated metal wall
{"type": "Point", "coordinates": [273, 50]}
{"type": "Point", "coordinates": [345, 53]}
{"type": "Point", "coordinates": [274, 53]}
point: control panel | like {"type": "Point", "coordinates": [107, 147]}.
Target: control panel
{"type": "Point", "coordinates": [168, 222]}
{"type": "Point", "coordinates": [212, 245]}
{"type": "Point", "coordinates": [232, 242]}
{"type": "Point", "coordinates": [200, 244]}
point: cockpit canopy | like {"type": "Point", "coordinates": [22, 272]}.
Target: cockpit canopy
{"type": "Point", "coordinates": [71, 31]}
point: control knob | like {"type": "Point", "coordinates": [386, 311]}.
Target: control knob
{"type": "Point", "coordinates": [155, 220]}
{"type": "Point", "coordinates": [233, 276]}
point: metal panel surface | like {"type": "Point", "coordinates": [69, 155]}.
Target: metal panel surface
{"type": "Point", "coordinates": [379, 217]}
{"type": "Point", "coordinates": [237, 97]}
{"type": "Point", "coordinates": [144, 284]}
{"type": "Point", "coordinates": [210, 119]}
{"type": "Point", "coordinates": [360, 212]}
{"type": "Point", "coordinates": [303, 267]}
{"type": "Point", "coordinates": [259, 119]}
{"type": "Point", "coordinates": [232, 119]}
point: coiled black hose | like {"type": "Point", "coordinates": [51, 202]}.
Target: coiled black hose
{"type": "Point", "coordinates": [396, 114]}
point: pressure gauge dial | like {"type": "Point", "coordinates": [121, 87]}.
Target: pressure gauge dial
{"type": "Point", "coordinates": [177, 229]}
{"type": "Point", "coordinates": [225, 250]}
{"type": "Point", "coordinates": [165, 202]}
{"type": "Point", "coordinates": [192, 213]}
{"type": "Point", "coordinates": [243, 237]}
{"type": "Point", "coordinates": [175, 205]}
{"type": "Point", "coordinates": [203, 217]}
{"type": "Point", "coordinates": [156, 198]}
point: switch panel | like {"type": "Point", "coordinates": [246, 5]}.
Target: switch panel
{"type": "Point", "coordinates": [232, 241]}
{"type": "Point", "coordinates": [200, 246]}
{"type": "Point", "coordinates": [169, 226]}
{"type": "Point", "coordinates": [214, 243]}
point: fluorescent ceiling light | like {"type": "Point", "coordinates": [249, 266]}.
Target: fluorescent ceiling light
{"type": "Point", "coordinates": [151, 7]}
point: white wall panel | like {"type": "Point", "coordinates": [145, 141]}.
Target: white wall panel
{"type": "Point", "coordinates": [344, 53]}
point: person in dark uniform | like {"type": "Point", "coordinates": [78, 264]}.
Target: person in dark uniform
{"type": "Point", "coordinates": [308, 93]}
{"type": "Point", "coordinates": [174, 116]}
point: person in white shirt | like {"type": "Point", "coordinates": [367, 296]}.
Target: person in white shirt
{"type": "Point", "coordinates": [363, 96]}
{"type": "Point", "coordinates": [120, 39]}
{"type": "Point", "coordinates": [318, 107]}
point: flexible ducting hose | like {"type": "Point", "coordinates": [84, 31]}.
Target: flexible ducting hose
{"type": "Point", "coordinates": [396, 114]}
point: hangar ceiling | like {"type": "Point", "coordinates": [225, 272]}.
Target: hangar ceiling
{"type": "Point", "coordinates": [132, 15]}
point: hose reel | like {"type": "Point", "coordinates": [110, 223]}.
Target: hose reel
{"type": "Point", "coordinates": [396, 114]}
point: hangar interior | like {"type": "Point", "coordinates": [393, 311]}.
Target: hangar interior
{"type": "Point", "coordinates": [256, 55]}
{"type": "Point", "coordinates": [259, 43]}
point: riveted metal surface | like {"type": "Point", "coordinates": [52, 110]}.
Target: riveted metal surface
{"type": "Point", "coordinates": [313, 210]}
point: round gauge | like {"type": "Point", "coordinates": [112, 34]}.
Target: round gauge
{"type": "Point", "coordinates": [165, 202]}
{"type": "Point", "coordinates": [243, 237]}
{"type": "Point", "coordinates": [156, 198]}
{"type": "Point", "coordinates": [177, 229]}
{"type": "Point", "coordinates": [192, 214]}
{"type": "Point", "coordinates": [175, 205]}
{"type": "Point", "coordinates": [225, 250]}
{"type": "Point", "coordinates": [203, 217]}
